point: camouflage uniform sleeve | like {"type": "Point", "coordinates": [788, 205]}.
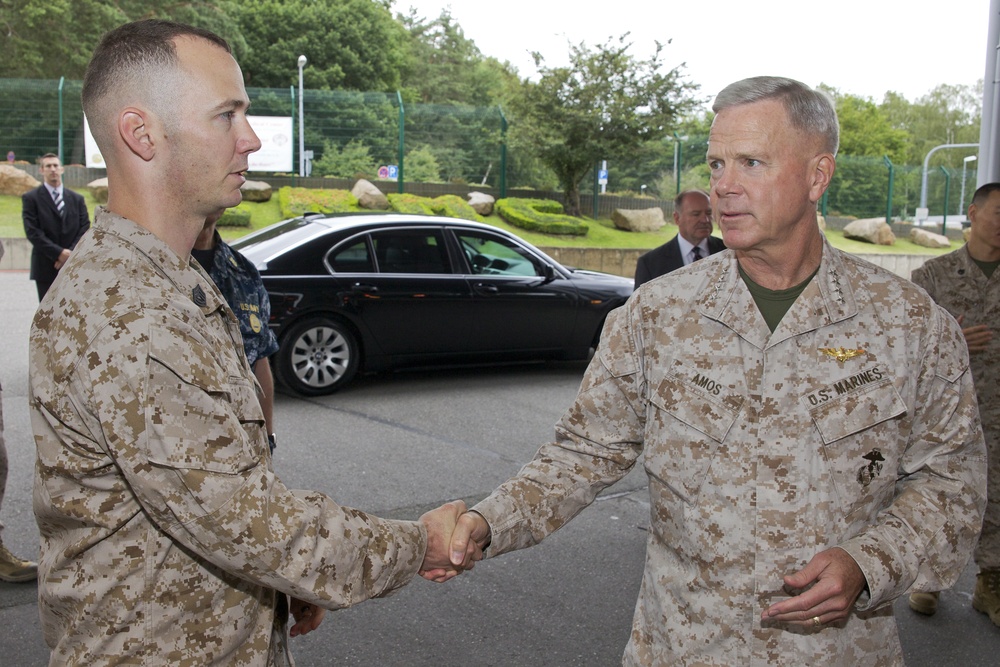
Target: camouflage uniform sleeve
{"type": "Point", "coordinates": [923, 277]}
{"type": "Point", "coordinates": [598, 441]}
{"type": "Point", "coordinates": [924, 537]}
{"type": "Point", "coordinates": [187, 434]}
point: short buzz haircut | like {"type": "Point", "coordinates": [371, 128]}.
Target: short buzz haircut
{"type": "Point", "coordinates": [48, 156]}
{"type": "Point", "coordinates": [809, 110]}
{"type": "Point", "coordinates": [679, 199]}
{"type": "Point", "coordinates": [983, 193]}
{"type": "Point", "coordinates": [130, 55]}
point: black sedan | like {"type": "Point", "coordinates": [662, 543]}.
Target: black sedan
{"type": "Point", "coordinates": [374, 292]}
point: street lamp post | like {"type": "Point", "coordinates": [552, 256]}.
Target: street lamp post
{"type": "Point", "coordinates": [678, 140]}
{"type": "Point", "coordinates": [302, 134]}
{"type": "Point", "coordinates": [961, 195]}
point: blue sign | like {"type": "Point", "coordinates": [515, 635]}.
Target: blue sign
{"type": "Point", "coordinates": [602, 176]}
{"type": "Point", "coordinates": [393, 172]}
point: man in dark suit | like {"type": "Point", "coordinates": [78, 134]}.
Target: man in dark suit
{"type": "Point", "coordinates": [694, 240]}
{"type": "Point", "coordinates": [55, 218]}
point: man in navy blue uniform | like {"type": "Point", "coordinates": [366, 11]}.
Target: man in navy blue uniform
{"type": "Point", "coordinates": [239, 281]}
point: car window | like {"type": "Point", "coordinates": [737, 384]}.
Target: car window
{"type": "Point", "coordinates": [410, 251]}
{"type": "Point", "coordinates": [352, 258]}
{"type": "Point", "coordinates": [491, 255]}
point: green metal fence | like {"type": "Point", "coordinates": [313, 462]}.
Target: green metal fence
{"type": "Point", "coordinates": [352, 134]}
{"type": "Point", "coordinates": [348, 133]}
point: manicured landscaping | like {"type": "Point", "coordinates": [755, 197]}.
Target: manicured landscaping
{"type": "Point", "coordinates": [600, 234]}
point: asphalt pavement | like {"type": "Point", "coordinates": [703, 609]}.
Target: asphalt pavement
{"type": "Point", "coordinates": [399, 444]}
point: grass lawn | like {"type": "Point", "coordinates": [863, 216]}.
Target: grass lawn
{"type": "Point", "coordinates": [602, 234]}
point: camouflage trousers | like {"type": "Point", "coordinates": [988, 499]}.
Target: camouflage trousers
{"type": "Point", "coordinates": [987, 554]}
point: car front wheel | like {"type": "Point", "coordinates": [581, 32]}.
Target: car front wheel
{"type": "Point", "coordinates": [318, 356]}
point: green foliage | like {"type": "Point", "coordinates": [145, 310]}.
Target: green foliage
{"type": "Point", "coordinates": [351, 161]}
{"type": "Point", "coordinates": [299, 201]}
{"type": "Point", "coordinates": [603, 106]}
{"type": "Point", "coordinates": [539, 215]}
{"type": "Point", "coordinates": [353, 44]}
{"type": "Point", "coordinates": [449, 206]}
{"type": "Point", "coordinates": [238, 216]}
{"type": "Point", "coordinates": [47, 39]}
{"type": "Point", "coordinates": [422, 166]}
{"type": "Point", "coordinates": [446, 67]}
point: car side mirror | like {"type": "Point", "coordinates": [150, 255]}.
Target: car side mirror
{"type": "Point", "coordinates": [549, 272]}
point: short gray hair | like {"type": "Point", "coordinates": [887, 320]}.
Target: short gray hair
{"type": "Point", "coordinates": [809, 110]}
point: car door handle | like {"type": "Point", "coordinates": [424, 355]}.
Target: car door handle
{"type": "Point", "coordinates": [486, 288]}
{"type": "Point", "coordinates": [363, 288]}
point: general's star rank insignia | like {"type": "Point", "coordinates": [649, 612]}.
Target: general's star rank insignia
{"type": "Point", "coordinates": [841, 354]}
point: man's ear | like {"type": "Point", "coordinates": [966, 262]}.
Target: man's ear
{"type": "Point", "coordinates": [822, 168]}
{"type": "Point", "coordinates": [135, 132]}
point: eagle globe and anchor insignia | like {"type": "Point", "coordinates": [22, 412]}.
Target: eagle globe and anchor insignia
{"type": "Point", "coordinates": [869, 472]}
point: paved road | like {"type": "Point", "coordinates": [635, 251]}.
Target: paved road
{"type": "Point", "coordinates": [399, 444]}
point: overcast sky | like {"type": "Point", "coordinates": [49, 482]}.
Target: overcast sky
{"type": "Point", "coordinates": [864, 47]}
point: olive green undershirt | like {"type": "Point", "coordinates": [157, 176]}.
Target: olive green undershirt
{"type": "Point", "coordinates": [774, 303]}
{"type": "Point", "coordinates": [987, 267]}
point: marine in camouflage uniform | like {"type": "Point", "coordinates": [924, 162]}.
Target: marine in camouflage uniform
{"type": "Point", "coordinates": [762, 450]}
{"type": "Point", "coordinates": [809, 432]}
{"type": "Point", "coordinates": [956, 282]}
{"type": "Point", "coordinates": [164, 529]}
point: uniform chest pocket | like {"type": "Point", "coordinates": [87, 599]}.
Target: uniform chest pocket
{"type": "Point", "coordinates": [859, 432]}
{"type": "Point", "coordinates": [199, 416]}
{"type": "Point", "coordinates": [690, 416]}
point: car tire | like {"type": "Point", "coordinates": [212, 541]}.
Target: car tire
{"type": "Point", "coordinates": [318, 356]}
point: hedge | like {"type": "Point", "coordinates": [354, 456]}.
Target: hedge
{"type": "Point", "coordinates": [450, 206]}
{"type": "Point", "coordinates": [540, 215]}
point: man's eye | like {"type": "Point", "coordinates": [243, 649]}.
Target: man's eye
{"type": "Point", "coordinates": [753, 163]}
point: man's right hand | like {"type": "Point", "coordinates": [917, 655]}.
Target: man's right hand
{"type": "Point", "coordinates": [977, 337]}
{"type": "Point", "coordinates": [471, 536]}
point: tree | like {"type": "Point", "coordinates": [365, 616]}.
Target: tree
{"type": "Point", "coordinates": [866, 129]}
{"type": "Point", "coordinates": [350, 44]}
{"type": "Point", "coordinates": [444, 66]}
{"type": "Point", "coordinates": [604, 105]}
{"type": "Point", "coordinates": [351, 161]}
{"type": "Point", "coordinates": [947, 115]}
{"type": "Point", "coordinates": [48, 39]}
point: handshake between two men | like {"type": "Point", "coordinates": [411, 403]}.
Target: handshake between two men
{"type": "Point", "coordinates": [456, 538]}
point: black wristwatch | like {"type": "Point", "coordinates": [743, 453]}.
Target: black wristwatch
{"type": "Point", "coordinates": [272, 441]}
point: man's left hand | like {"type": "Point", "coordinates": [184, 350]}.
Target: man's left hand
{"type": "Point", "coordinates": [307, 617]}
{"type": "Point", "coordinates": [827, 588]}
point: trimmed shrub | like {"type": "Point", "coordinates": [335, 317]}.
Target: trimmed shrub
{"type": "Point", "coordinates": [449, 206]}
{"type": "Point", "coordinates": [299, 201]}
{"type": "Point", "coordinates": [238, 216]}
{"type": "Point", "coordinates": [540, 215]}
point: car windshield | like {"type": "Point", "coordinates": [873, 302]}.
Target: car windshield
{"type": "Point", "coordinates": [494, 255]}
{"type": "Point", "coordinates": [266, 243]}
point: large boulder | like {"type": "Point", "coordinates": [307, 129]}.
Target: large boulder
{"type": "Point", "coordinates": [481, 202]}
{"type": "Point", "coordinates": [369, 196]}
{"type": "Point", "coordinates": [99, 190]}
{"type": "Point", "coordinates": [15, 182]}
{"type": "Point", "coordinates": [870, 230]}
{"type": "Point", "coordinates": [257, 191]}
{"type": "Point", "coordinates": [638, 220]}
{"type": "Point", "coordinates": [928, 239]}
{"type": "Point", "coordinates": [821, 221]}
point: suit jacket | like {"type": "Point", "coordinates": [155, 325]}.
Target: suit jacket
{"type": "Point", "coordinates": [49, 232]}
{"type": "Point", "coordinates": [667, 258]}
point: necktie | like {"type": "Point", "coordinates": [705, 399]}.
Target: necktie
{"type": "Point", "coordinates": [60, 204]}
{"type": "Point", "coordinates": [695, 253]}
